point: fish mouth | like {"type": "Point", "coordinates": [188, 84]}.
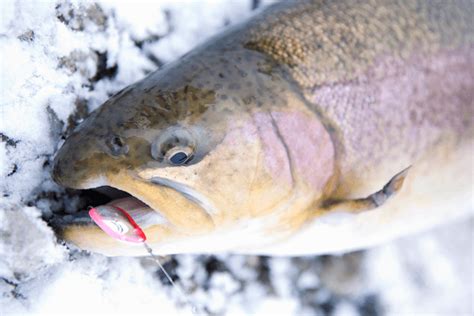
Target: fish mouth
{"type": "Point", "coordinates": [141, 212]}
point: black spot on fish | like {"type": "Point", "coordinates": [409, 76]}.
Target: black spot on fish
{"type": "Point", "coordinates": [234, 86]}
{"type": "Point", "coordinates": [247, 100]}
{"type": "Point", "coordinates": [236, 101]}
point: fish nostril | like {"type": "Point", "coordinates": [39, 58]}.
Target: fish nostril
{"type": "Point", "coordinates": [117, 141]}
{"type": "Point", "coordinates": [117, 146]}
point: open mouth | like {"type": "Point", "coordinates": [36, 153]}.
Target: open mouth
{"type": "Point", "coordinates": [142, 214]}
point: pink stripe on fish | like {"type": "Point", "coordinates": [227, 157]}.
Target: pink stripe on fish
{"type": "Point", "coordinates": [298, 141]}
{"type": "Point", "coordinates": [275, 158]}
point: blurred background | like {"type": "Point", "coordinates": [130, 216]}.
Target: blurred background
{"type": "Point", "coordinates": [62, 59]}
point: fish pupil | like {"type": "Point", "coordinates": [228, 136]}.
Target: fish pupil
{"type": "Point", "coordinates": [179, 158]}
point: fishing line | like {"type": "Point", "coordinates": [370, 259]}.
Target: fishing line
{"type": "Point", "coordinates": [118, 224]}
{"type": "Point", "coordinates": [176, 286]}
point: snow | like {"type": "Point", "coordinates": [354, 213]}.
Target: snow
{"type": "Point", "coordinates": [432, 267]}
{"type": "Point", "coordinates": [61, 59]}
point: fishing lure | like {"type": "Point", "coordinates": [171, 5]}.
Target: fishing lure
{"type": "Point", "coordinates": [118, 224]}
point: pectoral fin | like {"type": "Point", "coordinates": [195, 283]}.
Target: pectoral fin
{"type": "Point", "coordinates": [370, 202]}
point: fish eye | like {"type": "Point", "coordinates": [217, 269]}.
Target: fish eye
{"type": "Point", "coordinates": [175, 146]}
{"type": "Point", "coordinates": [179, 155]}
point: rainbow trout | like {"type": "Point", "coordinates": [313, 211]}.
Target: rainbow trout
{"type": "Point", "coordinates": [313, 127]}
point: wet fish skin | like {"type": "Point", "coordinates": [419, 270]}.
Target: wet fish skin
{"type": "Point", "coordinates": [307, 102]}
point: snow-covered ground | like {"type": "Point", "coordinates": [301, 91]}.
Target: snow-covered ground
{"type": "Point", "coordinates": [62, 59]}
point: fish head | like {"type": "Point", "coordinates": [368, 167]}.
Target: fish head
{"type": "Point", "coordinates": [203, 149]}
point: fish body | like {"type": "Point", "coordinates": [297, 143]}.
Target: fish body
{"type": "Point", "coordinates": [314, 127]}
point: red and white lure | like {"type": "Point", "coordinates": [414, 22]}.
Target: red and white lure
{"type": "Point", "coordinates": [118, 224]}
